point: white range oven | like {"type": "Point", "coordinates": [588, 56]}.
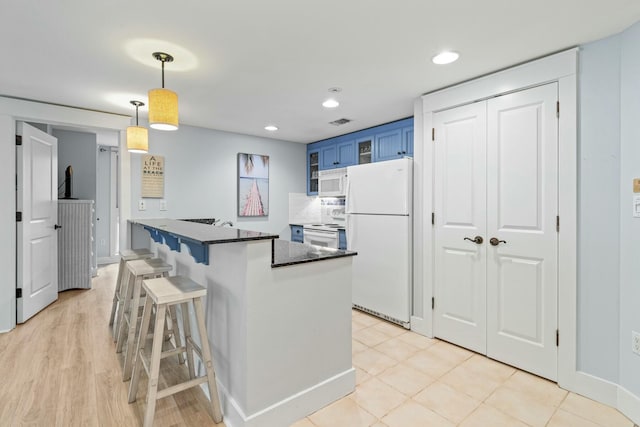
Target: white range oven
{"type": "Point", "coordinates": [325, 235]}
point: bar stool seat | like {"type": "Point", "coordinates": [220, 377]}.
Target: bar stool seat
{"type": "Point", "coordinates": [139, 270]}
{"type": "Point", "coordinates": [163, 293]}
{"type": "Point", "coordinates": [117, 306]}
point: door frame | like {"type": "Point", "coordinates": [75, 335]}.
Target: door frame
{"type": "Point", "coordinates": [560, 68]}
{"type": "Point", "coordinates": [11, 111]}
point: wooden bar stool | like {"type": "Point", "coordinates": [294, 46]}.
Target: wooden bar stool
{"type": "Point", "coordinates": [140, 270]}
{"type": "Point", "coordinates": [163, 293]}
{"type": "Point", "coordinates": [116, 306]}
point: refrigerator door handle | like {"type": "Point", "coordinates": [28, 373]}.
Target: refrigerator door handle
{"type": "Point", "coordinates": [349, 232]}
{"type": "Point", "coordinates": [347, 192]}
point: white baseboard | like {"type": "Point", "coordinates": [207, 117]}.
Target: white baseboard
{"type": "Point", "coordinates": [629, 404]}
{"type": "Point", "coordinates": [608, 393]}
{"type": "Point", "coordinates": [594, 388]}
{"type": "Point", "coordinates": [291, 409]}
{"type": "Point", "coordinates": [420, 326]}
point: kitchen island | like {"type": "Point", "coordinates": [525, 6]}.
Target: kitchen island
{"type": "Point", "coordinates": [278, 316]}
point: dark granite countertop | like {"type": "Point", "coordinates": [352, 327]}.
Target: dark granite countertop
{"type": "Point", "coordinates": [291, 253]}
{"type": "Point", "coordinates": [203, 233]}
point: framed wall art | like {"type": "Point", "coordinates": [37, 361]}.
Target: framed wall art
{"type": "Point", "coordinates": [253, 185]}
{"type": "Point", "coordinates": [152, 176]}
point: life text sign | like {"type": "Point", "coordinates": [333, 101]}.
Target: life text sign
{"type": "Point", "coordinates": [152, 176]}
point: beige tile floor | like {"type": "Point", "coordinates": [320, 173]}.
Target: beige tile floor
{"type": "Point", "coordinates": [404, 380]}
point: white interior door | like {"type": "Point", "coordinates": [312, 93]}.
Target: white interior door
{"type": "Point", "coordinates": [460, 216]}
{"type": "Point", "coordinates": [37, 240]}
{"type": "Point", "coordinates": [496, 177]}
{"type": "Point", "coordinates": [522, 199]}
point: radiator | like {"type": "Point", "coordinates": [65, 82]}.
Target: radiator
{"type": "Point", "coordinates": [75, 244]}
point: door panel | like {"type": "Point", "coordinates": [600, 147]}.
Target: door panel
{"type": "Point", "coordinates": [37, 240]}
{"type": "Point", "coordinates": [459, 282]}
{"type": "Point", "coordinates": [519, 293]}
{"type": "Point", "coordinates": [460, 206]}
{"type": "Point", "coordinates": [522, 176]}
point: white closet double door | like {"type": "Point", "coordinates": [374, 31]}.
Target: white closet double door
{"type": "Point", "coordinates": [496, 199]}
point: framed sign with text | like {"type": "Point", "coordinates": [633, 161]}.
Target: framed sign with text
{"type": "Point", "coordinates": [152, 176]}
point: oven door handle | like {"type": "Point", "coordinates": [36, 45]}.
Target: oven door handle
{"type": "Point", "coordinates": [311, 231]}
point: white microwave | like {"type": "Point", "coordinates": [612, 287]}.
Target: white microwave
{"type": "Point", "coordinates": [332, 182]}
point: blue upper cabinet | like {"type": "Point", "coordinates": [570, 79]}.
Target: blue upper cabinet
{"type": "Point", "coordinates": [313, 164]}
{"type": "Point", "coordinates": [393, 144]}
{"type": "Point", "coordinates": [407, 140]}
{"type": "Point", "coordinates": [338, 155]}
{"type": "Point", "coordinates": [385, 142]}
{"type": "Point", "coordinates": [388, 145]}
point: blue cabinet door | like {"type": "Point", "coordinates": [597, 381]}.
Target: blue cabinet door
{"type": "Point", "coordinates": [407, 141]}
{"type": "Point", "coordinates": [346, 154]}
{"type": "Point", "coordinates": [313, 166]}
{"type": "Point", "coordinates": [342, 240]}
{"type": "Point", "coordinates": [297, 233]}
{"type": "Point", "coordinates": [328, 157]}
{"type": "Point", "coordinates": [388, 145]}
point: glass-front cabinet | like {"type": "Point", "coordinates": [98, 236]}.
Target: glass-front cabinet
{"type": "Point", "coordinates": [312, 172]}
{"type": "Point", "coordinates": [389, 141]}
{"type": "Point", "coordinates": [364, 150]}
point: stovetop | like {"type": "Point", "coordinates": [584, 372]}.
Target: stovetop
{"type": "Point", "coordinates": [324, 227]}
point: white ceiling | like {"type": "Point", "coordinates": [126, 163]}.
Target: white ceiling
{"type": "Point", "coordinates": [240, 65]}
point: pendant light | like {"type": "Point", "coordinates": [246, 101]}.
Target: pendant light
{"type": "Point", "coordinates": [137, 136]}
{"type": "Point", "coordinates": [163, 103]}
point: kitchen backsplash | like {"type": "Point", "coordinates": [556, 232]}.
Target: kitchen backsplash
{"type": "Point", "coordinates": [304, 209]}
{"type": "Point", "coordinates": [313, 210]}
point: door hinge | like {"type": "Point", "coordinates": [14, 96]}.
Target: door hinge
{"type": "Point", "coordinates": [433, 218]}
{"type": "Point", "coordinates": [558, 223]}
{"type": "Point", "coordinates": [18, 139]}
{"type": "Point", "coordinates": [433, 134]}
{"type": "Point", "coordinates": [18, 292]}
{"type": "Point", "coordinates": [433, 303]}
{"type": "Point", "coordinates": [558, 109]}
{"type": "Point", "coordinates": [557, 338]}
{"type": "Point", "coordinates": [18, 216]}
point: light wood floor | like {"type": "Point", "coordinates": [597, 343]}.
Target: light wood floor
{"type": "Point", "coordinates": [60, 369]}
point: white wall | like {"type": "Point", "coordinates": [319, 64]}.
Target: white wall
{"type": "Point", "coordinates": [201, 175]}
{"type": "Point", "coordinates": [598, 210]}
{"type": "Point", "coordinates": [609, 237]}
{"type": "Point", "coordinates": [629, 227]}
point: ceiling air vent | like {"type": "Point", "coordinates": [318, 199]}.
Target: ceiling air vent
{"type": "Point", "coordinates": [340, 122]}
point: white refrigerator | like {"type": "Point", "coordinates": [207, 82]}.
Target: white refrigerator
{"type": "Point", "coordinates": [379, 228]}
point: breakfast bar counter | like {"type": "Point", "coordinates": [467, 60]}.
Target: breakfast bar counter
{"type": "Point", "coordinates": [278, 315]}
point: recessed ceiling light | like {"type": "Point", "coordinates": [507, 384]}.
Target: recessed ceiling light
{"type": "Point", "coordinates": [330, 103]}
{"type": "Point", "coordinates": [271, 128]}
{"type": "Point", "coordinates": [445, 57]}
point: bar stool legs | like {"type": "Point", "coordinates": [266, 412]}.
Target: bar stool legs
{"type": "Point", "coordinates": [139, 270]}
{"type": "Point", "coordinates": [168, 292]}
{"type": "Point", "coordinates": [117, 305]}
